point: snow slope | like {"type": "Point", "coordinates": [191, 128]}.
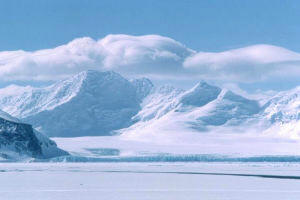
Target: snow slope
{"type": "Point", "coordinates": [89, 103]}
{"type": "Point", "coordinates": [283, 113]}
{"type": "Point", "coordinates": [8, 117]}
{"type": "Point", "coordinates": [173, 113]}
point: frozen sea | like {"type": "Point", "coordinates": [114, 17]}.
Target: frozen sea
{"type": "Point", "coordinates": [147, 181]}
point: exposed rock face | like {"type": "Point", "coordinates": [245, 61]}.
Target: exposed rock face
{"type": "Point", "coordinates": [20, 140]}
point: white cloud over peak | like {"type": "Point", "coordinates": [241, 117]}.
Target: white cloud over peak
{"type": "Point", "coordinates": [258, 62]}
{"type": "Point", "coordinates": [150, 55]}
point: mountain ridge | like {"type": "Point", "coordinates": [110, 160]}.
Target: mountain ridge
{"type": "Point", "coordinates": [86, 102]}
{"type": "Point", "coordinates": [105, 103]}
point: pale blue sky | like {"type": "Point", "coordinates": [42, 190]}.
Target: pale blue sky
{"type": "Point", "coordinates": [211, 25]}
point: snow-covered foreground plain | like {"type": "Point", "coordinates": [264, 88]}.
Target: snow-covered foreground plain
{"type": "Point", "coordinates": [130, 181]}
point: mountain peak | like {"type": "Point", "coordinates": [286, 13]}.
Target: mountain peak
{"type": "Point", "coordinates": [201, 94]}
{"type": "Point", "coordinates": [90, 74]}
{"type": "Point", "coordinates": [203, 84]}
{"type": "Point", "coordinates": [90, 102]}
{"type": "Point", "coordinates": [93, 72]}
{"type": "Point", "coordinates": [89, 79]}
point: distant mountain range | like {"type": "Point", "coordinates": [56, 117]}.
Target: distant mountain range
{"type": "Point", "coordinates": [105, 103]}
{"type": "Point", "coordinates": [89, 103]}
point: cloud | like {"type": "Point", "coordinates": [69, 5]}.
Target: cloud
{"type": "Point", "coordinates": [249, 64]}
{"type": "Point", "coordinates": [131, 55]}
{"type": "Point", "coordinates": [150, 55]}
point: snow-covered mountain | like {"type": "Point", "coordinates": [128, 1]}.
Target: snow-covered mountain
{"type": "Point", "coordinates": [103, 103]}
{"type": "Point", "coordinates": [89, 103]}
{"type": "Point", "coordinates": [19, 140]}
{"type": "Point", "coordinates": [204, 108]}
{"type": "Point", "coordinates": [283, 113]}
{"type": "Point", "coordinates": [210, 109]}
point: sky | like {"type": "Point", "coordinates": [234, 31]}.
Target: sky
{"type": "Point", "coordinates": [201, 26]}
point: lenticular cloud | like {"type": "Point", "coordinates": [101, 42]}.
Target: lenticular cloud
{"type": "Point", "coordinates": [249, 64]}
{"type": "Point", "coordinates": [150, 55]}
